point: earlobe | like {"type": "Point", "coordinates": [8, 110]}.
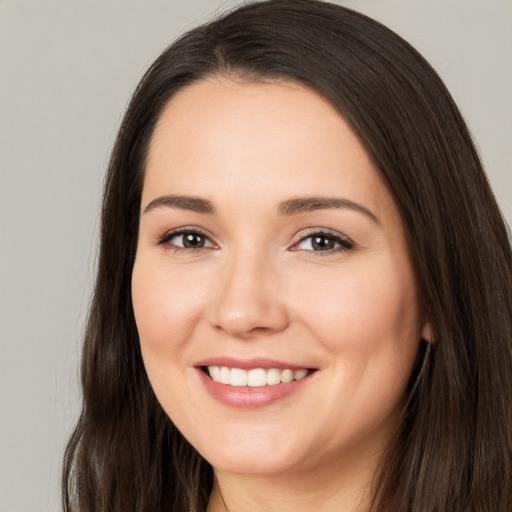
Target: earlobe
{"type": "Point", "coordinates": [426, 333]}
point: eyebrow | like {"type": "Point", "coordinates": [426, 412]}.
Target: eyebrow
{"type": "Point", "coordinates": [193, 204]}
{"type": "Point", "coordinates": [300, 205]}
{"type": "Point", "coordinates": [294, 206]}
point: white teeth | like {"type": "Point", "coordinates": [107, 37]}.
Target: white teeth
{"type": "Point", "coordinates": [286, 375]}
{"type": "Point", "coordinates": [214, 372]}
{"type": "Point", "coordinates": [238, 377]}
{"type": "Point", "coordinates": [299, 374]}
{"type": "Point", "coordinates": [225, 375]}
{"type": "Point", "coordinates": [273, 376]}
{"type": "Point", "coordinates": [256, 377]}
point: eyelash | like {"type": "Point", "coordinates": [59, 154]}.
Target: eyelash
{"type": "Point", "coordinates": [343, 243]}
{"type": "Point", "coordinates": [165, 240]}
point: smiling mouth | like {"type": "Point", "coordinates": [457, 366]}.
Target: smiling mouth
{"type": "Point", "coordinates": [256, 377]}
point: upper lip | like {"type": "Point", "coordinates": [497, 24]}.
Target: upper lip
{"type": "Point", "coordinates": [248, 364]}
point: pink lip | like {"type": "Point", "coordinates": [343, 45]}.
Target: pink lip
{"type": "Point", "coordinates": [246, 397]}
{"type": "Point", "coordinates": [248, 364]}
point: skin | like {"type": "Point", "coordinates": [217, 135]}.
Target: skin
{"type": "Point", "coordinates": [259, 288]}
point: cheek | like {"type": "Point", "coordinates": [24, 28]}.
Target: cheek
{"type": "Point", "coordinates": [165, 305]}
{"type": "Point", "coordinates": [367, 320]}
{"type": "Point", "coordinates": [369, 324]}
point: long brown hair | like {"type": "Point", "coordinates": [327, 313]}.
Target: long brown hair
{"type": "Point", "coordinates": [452, 450]}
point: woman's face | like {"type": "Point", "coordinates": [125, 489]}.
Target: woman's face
{"type": "Point", "coordinates": [271, 256]}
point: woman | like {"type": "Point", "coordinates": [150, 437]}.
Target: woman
{"type": "Point", "coordinates": [304, 289]}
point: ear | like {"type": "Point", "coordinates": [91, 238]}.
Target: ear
{"type": "Point", "coordinates": [426, 333]}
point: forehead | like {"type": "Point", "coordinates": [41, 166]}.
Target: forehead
{"type": "Point", "coordinates": [221, 139]}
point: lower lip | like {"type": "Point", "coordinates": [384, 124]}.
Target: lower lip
{"type": "Point", "coordinates": [248, 397]}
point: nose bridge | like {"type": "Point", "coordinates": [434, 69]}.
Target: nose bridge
{"type": "Point", "coordinates": [248, 299]}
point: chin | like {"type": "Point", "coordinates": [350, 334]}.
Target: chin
{"type": "Point", "coordinates": [250, 454]}
{"type": "Point", "coordinates": [251, 464]}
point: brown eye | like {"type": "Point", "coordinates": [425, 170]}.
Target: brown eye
{"type": "Point", "coordinates": [324, 242]}
{"type": "Point", "coordinates": [186, 240]}
{"type": "Point", "coordinates": [193, 240]}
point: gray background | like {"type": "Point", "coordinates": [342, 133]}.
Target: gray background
{"type": "Point", "coordinates": [67, 69]}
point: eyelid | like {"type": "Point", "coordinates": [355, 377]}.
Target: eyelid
{"type": "Point", "coordinates": [168, 235]}
{"type": "Point", "coordinates": [345, 242]}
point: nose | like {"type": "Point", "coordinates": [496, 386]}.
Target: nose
{"type": "Point", "coordinates": [248, 301]}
